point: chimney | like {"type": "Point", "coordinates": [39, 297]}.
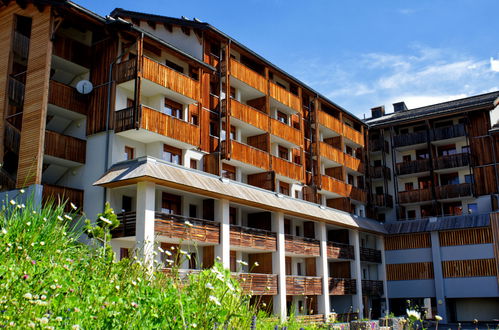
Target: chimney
{"type": "Point", "coordinates": [378, 111]}
{"type": "Point", "coordinates": [399, 106]}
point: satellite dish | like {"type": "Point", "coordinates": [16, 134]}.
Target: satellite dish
{"type": "Point", "coordinates": [84, 87]}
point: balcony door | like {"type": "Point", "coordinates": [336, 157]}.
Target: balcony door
{"type": "Point", "coordinates": [171, 204]}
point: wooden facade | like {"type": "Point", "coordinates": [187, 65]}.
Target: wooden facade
{"type": "Point", "coordinates": [257, 284]}
{"type": "Point", "coordinates": [407, 241]}
{"type": "Point", "coordinates": [302, 245]}
{"type": "Point", "coordinates": [466, 236]}
{"type": "Point", "coordinates": [469, 268]}
{"type": "Point", "coordinates": [303, 285]}
{"type": "Point", "coordinates": [253, 238]}
{"type": "Point", "coordinates": [409, 271]}
{"type": "Point", "coordinates": [65, 147]}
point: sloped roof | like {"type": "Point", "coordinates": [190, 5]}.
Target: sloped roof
{"type": "Point", "coordinates": [440, 223]}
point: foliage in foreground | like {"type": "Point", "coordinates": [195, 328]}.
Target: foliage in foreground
{"type": "Point", "coordinates": [50, 280]}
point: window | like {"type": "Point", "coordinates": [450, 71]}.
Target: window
{"type": "Point", "coordinates": [411, 214]}
{"type": "Point", "coordinates": [124, 253]}
{"type": "Point", "coordinates": [193, 211]}
{"type": "Point", "coordinates": [298, 269]}
{"type": "Point", "coordinates": [129, 153]}
{"type": "Point", "coordinates": [454, 208]}
{"type": "Point", "coordinates": [297, 194]}
{"type": "Point", "coordinates": [170, 204]}
{"type": "Point", "coordinates": [409, 186]}
{"type": "Point", "coordinates": [174, 66]}
{"type": "Point", "coordinates": [422, 154]}
{"type": "Point", "coordinates": [379, 190]}
{"type": "Point", "coordinates": [287, 226]}
{"type": "Point", "coordinates": [447, 123]}
{"type": "Point", "coordinates": [233, 215]}
{"type": "Point", "coordinates": [172, 154]}
{"type": "Point", "coordinates": [228, 171]}
{"type": "Point", "coordinates": [283, 152]}
{"type": "Point", "coordinates": [468, 178]}
{"type": "Point", "coordinates": [349, 150]}
{"type": "Point", "coordinates": [424, 182]}
{"type": "Point", "coordinates": [406, 158]}
{"type": "Point", "coordinates": [126, 203]}
{"type": "Point", "coordinates": [213, 128]}
{"type": "Point", "coordinates": [194, 164]}
{"type": "Point", "coordinates": [404, 131]}
{"type": "Point", "coordinates": [232, 90]}
{"type": "Point", "coordinates": [173, 109]}
{"type": "Point", "coordinates": [284, 188]}
{"type": "Point", "coordinates": [232, 132]}
{"type": "Point", "coordinates": [297, 231]}
{"type": "Point", "coordinates": [282, 117]}
{"type": "Point", "coordinates": [420, 128]}
{"type": "Point", "coordinates": [472, 208]}
{"type": "Point", "coordinates": [377, 162]}
{"type": "Point", "coordinates": [465, 149]}
{"type": "Point", "coordinates": [449, 178]}
{"type": "Point", "coordinates": [350, 179]}
{"type": "Point", "coordinates": [194, 120]}
{"type": "Point", "coordinates": [381, 217]}
{"type": "Point", "coordinates": [428, 211]}
{"type": "Point", "coordinates": [447, 150]}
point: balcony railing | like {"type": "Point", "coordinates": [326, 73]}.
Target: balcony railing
{"type": "Point", "coordinates": [380, 172]}
{"type": "Point", "coordinates": [248, 76]}
{"type": "Point", "coordinates": [415, 196]}
{"type": "Point", "coordinates": [311, 318]}
{"type": "Point", "coordinates": [344, 189]}
{"type": "Point", "coordinates": [353, 135]}
{"type": "Point", "coordinates": [61, 195]}
{"type": "Point", "coordinates": [286, 132]}
{"type": "Point", "coordinates": [65, 147]}
{"type": "Point", "coordinates": [378, 145]}
{"type": "Point", "coordinates": [372, 288]}
{"type": "Point", "coordinates": [16, 91]}
{"type": "Point", "coordinates": [257, 284]}
{"type": "Point", "coordinates": [302, 245]}
{"type": "Point", "coordinates": [285, 97]}
{"type": "Point", "coordinates": [340, 251]}
{"type": "Point", "coordinates": [342, 286]}
{"type": "Point", "coordinates": [383, 200]}
{"type": "Point", "coordinates": [414, 166]}
{"type": "Point", "coordinates": [303, 285]}
{"type": "Point", "coordinates": [450, 161]}
{"type": "Point", "coordinates": [249, 115]}
{"type": "Point", "coordinates": [125, 70]}
{"type": "Point", "coordinates": [72, 51]}
{"type": "Point", "coordinates": [67, 97]}
{"type": "Point", "coordinates": [287, 168]}
{"type": "Point", "coordinates": [331, 153]}
{"type": "Point", "coordinates": [253, 238]}
{"type": "Point", "coordinates": [410, 139]}
{"type": "Point", "coordinates": [248, 155]}
{"type": "Point", "coordinates": [20, 45]}
{"type": "Point", "coordinates": [12, 139]}
{"type": "Point", "coordinates": [330, 122]}
{"type": "Point", "coordinates": [453, 190]}
{"type": "Point", "coordinates": [370, 255]}
{"type": "Point", "coordinates": [354, 163]}
{"type": "Point", "coordinates": [357, 194]}
{"type": "Point", "coordinates": [443, 133]}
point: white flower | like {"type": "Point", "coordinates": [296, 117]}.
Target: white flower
{"type": "Point", "coordinates": [160, 249]}
{"type": "Point", "coordinates": [58, 319]}
{"type": "Point", "coordinates": [194, 325]}
{"type": "Point", "coordinates": [28, 223]}
{"type": "Point", "coordinates": [218, 258]}
{"type": "Point", "coordinates": [23, 206]}
{"type": "Point", "coordinates": [68, 217]}
{"type": "Point", "coordinates": [229, 285]}
{"type": "Point", "coordinates": [13, 202]}
{"type": "Point", "coordinates": [183, 252]}
{"type": "Point", "coordinates": [73, 206]}
{"type": "Point", "coordinates": [22, 191]}
{"type": "Point", "coordinates": [256, 264]}
{"type": "Point", "coordinates": [4, 231]}
{"type": "Point", "coordinates": [413, 313]}
{"type": "Point", "coordinates": [244, 263]}
{"type": "Point", "coordinates": [188, 223]}
{"type": "Point", "coordinates": [214, 300]}
{"type": "Point", "coordinates": [45, 219]}
{"type": "Point", "coordinates": [168, 253]}
{"type": "Point", "coordinates": [59, 218]}
{"type": "Point", "coordinates": [31, 325]}
{"type": "Point", "coordinates": [75, 327]}
{"type": "Point", "coordinates": [42, 243]}
{"type": "Point", "coordinates": [44, 320]}
{"type": "Point", "coordinates": [105, 220]}
{"type": "Point", "coordinates": [438, 318]}
{"type": "Point", "coordinates": [209, 286]}
{"type": "Point", "coordinates": [43, 297]}
{"type": "Point", "coordinates": [28, 296]}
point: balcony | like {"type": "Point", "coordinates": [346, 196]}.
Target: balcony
{"type": "Point", "coordinates": [415, 196]}
{"type": "Point", "coordinates": [372, 288]}
{"type": "Point", "coordinates": [302, 245]}
{"type": "Point", "coordinates": [331, 153]}
{"type": "Point", "coordinates": [370, 255]}
{"type": "Point", "coordinates": [353, 135]}
{"type": "Point", "coordinates": [257, 284]}
{"type": "Point", "coordinates": [453, 191]}
{"type": "Point", "coordinates": [354, 163]}
{"type": "Point", "coordinates": [414, 166]}
{"type": "Point", "coordinates": [303, 285]}
{"type": "Point", "coordinates": [125, 71]}
{"type": "Point", "coordinates": [330, 122]}
{"type": "Point", "coordinates": [67, 97]}
{"type": "Point", "coordinates": [72, 51]}
{"type": "Point", "coordinates": [357, 194]}
{"type": "Point", "coordinates": [65, 147]}
{"type": "Point", "coordinates": [340, 251]}
{"type": "Point", "coordinates": [248, 76]}
{"type": "Point", "coordinates": [284, 97]}
{"type": "Point", "coordinates": [451, 161]}
{"type": "Point", "coordinates": [288, 169]}
{"type": "Point", "coordinates": [380, 172]}
{"type": "Point", "coordinates": [60, 194]}
{"type": "Point", "coordinates": [383, 200]}
{"type": "Point", "coordinates": [334, 185]}
{"type": "Point", "coordinates": [342, 286]}
{"type": "Point", "coordinates": [286, 132]}
{"type": "Point", "coordinates": [248, 155]}
{"type": "Point", "coordinates": [127, 121]}
{"type": "Point", "coordinates": [20, 45]}
{"type": "Point", "coordinates": [16, 91]}
{"type": "Point", "coordinates": [12, 140]}
{"type": "Point", "coordinates": [253, 238]}
{"type": "Point", "coordinates": [7, 181]}
{"type": "Point", "coordinates": [249, 115]}
{"type": "Point", "coordinates": [378, 145]}
{"type": "Point", "coordinates": [404, 140]}
{"type": "Point", "coordinates": [444, 133]}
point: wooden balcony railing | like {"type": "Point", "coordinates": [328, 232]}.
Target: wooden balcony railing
{"type": "Point", "coordinates": [453, 190]}
{"type": "Point", "coordinates": [354, 163]}
{"type": "Point", "coordinates": [372, 288]}
{"type": "Point", "coordinates": [248, 76]}
{"type": "Point", "coordinates": [378, 145]}
{"type": "Point", "coordinates": [414, 196]}
{"type": "Point", "coordinates": [253, 238]}
{"type": "Point", "coordinates": [403, 140]}
{"type": "Point", "coordinates": [340, 251]}
{"type": "Point", "coordinates": [285, 97]}
{"type": "Point", "coordinates": [443, 133]}
{"type": "Point", "coordinates": [186, 228]}
{"type": "Point", "coordinates": [124, 119]}
{"type": "Point", "coordinates": [334, 185]}
{"type": "Point", "coordinates": [125, 70]}
{"type": "Point", "coordinates": [303, 285]}
{"type": "Point", "coordinates": [331, 153]}
{"type": "Point", "coordinates": [16, 91]}
{"type": "Point", "coordinates": [257, 284]}
{"type": "Point", "coordinates": [287, 168]}
{"type": "Point", "coordinates": [12, 139]}
{"type": "Point", "coordinates": [383, 200]}
{"type": "Point", "coordinates": [379, 172]}
{"type": "Point", "coordinates": [61, 195]}
{"type": "Point", "coordinates": [330, 122]}
{"type": "Point", "coordinates": [370, 255]}
{"type": "Point", "coordinates": [249, 115]}
{"type": "Point", "coordinates": [302, 245]}
{"type": "Point", "coordinates": [249, 155]}
{"type": "Point", "coordinates": [65, 147]}
{"type": "Point", "coordinates": [72, 51]}
{"type": "Point", "coordinates": [20, 45]}
{"type": "Point", "coordinates": [286, 132]}
{"type": "Point", "coordinates": [311, 318]}
{"type": "Point", "coordinates": [342, 286]}
{"type": "Point", "coordinates": [353, 135]}
{"type": "Point", "coordinates": [357, 194]}
{"type": "Point", "coordinates": [450, 161]}
{"type": "Point", "coordinates": [414, 166]}
{"type": "Point", "coordinates": [67, 97]}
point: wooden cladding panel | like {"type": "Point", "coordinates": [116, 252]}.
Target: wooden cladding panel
{"type": "Point", "coordinates": [333, 185]}
{"type": "Point", "coordinates": [286, 132]}
{"type": "Point", "coordinates": [330, 122]}
{"type": "Point", "coordinates": [414, 196]}
{"type": "Point", "coordinates": [249, 115]}
{"type": "Point", "coordinates": [479, 123]}
{"type": "Point", "coordinates": [264, 261]}
{"type": "Point", "coordinates": [67, 97]}
{"type": "Point", "coordinates": [302, 246]}
{"type": "Point", "coordinates": [66, 147]}
{"type": "Point", "coordinates": [200, 231]}
{"type": "Point", "coordinates": [494, 225]}
{"type": "Point", "coordinates": [481, 148]}
{"type": "Point", "coordinates": [285, 97]}
{"type": "Point", "coordinates": [303, 285]}
{"type": "Point", "coordinates": [466, 236]}
{"type": "Point", "coordinates": [265, 180]}
{"type": "Point", "coordinates": [331, 153]}
{"type": "Point", "coordinates": [469, 268]}
{"type": "Point", "coordinates": [409, 271]}
{"type": "Point", "coordinates": [342, 203]}
{"type": "Point", "coordinates": [485, 180]}
{"type": "Point", "coordinates": [353, 135]}
{"type": "Point", "coordinates": [408, 241]}
{"type": "Point", "coordinates": [354, 163]}
{"type": "Point", "coordinates": [253, 238]}
{"type": "Point", "coordinates": [287, 169]}
{"type": "Point", "coordinates": [62, 195]}
{"type": "Point", "coordinates": [248, 76]}
{"type": "Point", "coordinates": [257, 284]}
{"type": "Point", "coordinates": [35, 99]}
{"type": "Point", "coordinates": [250, 155]}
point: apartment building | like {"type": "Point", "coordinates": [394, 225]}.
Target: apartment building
{"type": "Point", "coordinates": [433, 180]}
{"type": "Point", "coordinates": [199, 144]}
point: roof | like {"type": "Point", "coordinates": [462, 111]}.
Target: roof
{"type": "Point", "coordinates": [179, 177]}
{"type": "Point", "coordinates": [438, 224]}
{"type": "Point", "coordinates": [460, 105]}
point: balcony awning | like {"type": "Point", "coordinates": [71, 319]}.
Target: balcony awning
{"type": "Point", "coordinates": [178, 177]}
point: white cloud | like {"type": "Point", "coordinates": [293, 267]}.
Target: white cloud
{"type": "Point", "coordinates": [494, 65]}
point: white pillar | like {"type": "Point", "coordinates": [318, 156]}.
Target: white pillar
{"type": "Point", "coordinates": [279, 265]}
{"type": "Point", "coordinates": [322, 270]}
{"type": "Point", "coordinates": [222, 215]}
{"type": "Point", "coordinates": [357, 303]}
{"type": "Point", "coordinates": [382, 272]}
{"type": "Point", "coordinates": [144, 233]}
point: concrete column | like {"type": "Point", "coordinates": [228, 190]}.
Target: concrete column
{"type": "Point", "coordinates": [279, 266]}
{"type": "Point", "coordinates": [322, 270]}
{"type": "Point", "coordinates": [439, 278]}
{"type": "Point", "coordinates": [222, 216]}
{"type": "Point", "coordinates": [145, 221]}
{"type": "Point", "coordinates": [357, 303]}
{"type": "Point", "coordinates": [382, 271]}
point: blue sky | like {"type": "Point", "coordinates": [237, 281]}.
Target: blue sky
{"type": "Point", "coordinates": [360, 54]}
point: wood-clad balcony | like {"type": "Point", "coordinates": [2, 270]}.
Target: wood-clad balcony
{"type": "Point", "coordinates": [302, 245]}
{"type": "Point", "coordinates": [60, 194]}
{"type": "Point", "coordinates": [453, 190]}
{"type": "Point", "coordinates": [380, 172]}
{"type": "Point", "coordinates": [330, 122]}
{"type": "Point", "coordinates": [344, 189]}
{"type": "Point", "coordinates": [340, 251]}
{"type": "Point", "coordinates": [287, 169]}
{"type": "Point", "coordinates": [12, 137]}
{"type": "Point", "coordinates": [370, 255]}
{"type": "Point", "coordinates": [414, 166]}
{"type": "Point", "coordinates": [285, 97]}
{"type": "Point", "coordinates": [125, 71]}
{"type": "Point", "coordinates": [354, 163]}
{"type": "Point", "coordinates": [377, 145]}
{"type": "Point", "coordinates": [342, 286]}
{"type": "Point", "coordinates": [15, 91]}
{"type": "Point", "coordinates": [257, 284]}
{"type": "Point", "coordinates": [383, 200]}
{"type": "Point", "coordinates": [249, 155]}
{"type": "Point", "coordinates": [249, 115]}
{"type": "Point", "coordinates": [67, 97]}
{"type": "Point", "coordinates": [154, 121]}
{"type": "Point", "coordinates": [286, 132]}
{"type": "Point", "coordinates": [415, 196]}
{"type": "Point", "coordinates": [403, 140]}
{"type": "Point", "coordinates": [451, 161]}
{"type": "Point", "coordinates": [72, 50]}
{"type": "Point", "coordinates": [372, 288]}
{"type": "Point", "coordinates": [303, 285]}
{"type": "Point", "coordinates": [353, 135]}
{"type": "Point", "coordinates": [331, 153]}
{"type": "Point", "coordinates": [65, 147]}
{"type": "Point", "coordinates": [243, 73]}
{"type": "Point", "coordinates": [450, 132]}
{"type": "Point", "coordinates": [20, 45]}
{"type": "Point", "coordinates": [357, 194]}
{"type": "Point", "coordinates": [253, 238]}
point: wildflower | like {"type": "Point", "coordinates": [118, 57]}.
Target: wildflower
{"type": "Point", "coordinates": [214, 300]}
{"type": "Point", "coordinates": [12, 324]}
{"type": "Point", "coordinates": [256, 264]}
{"type": "Point", "coordinates": [134, 283]}
{"type": "Point", "coordinates": [28, 296]}
{"type": "Point", "coordinates": [75, 327]}
{"type": "Point", "coordinates": [169, 261]}
{"type": "Point", "coordinates": [188, 256]}
{"type": "Point", "coordinates": [229, 285]}
{"type": "Point", "coordinates": [194, 325]}
{"type": "Point", "coordinates": [68, 217]}
{"type": "Point", "coordinates": [241, 262]}
{"type": "Point", "coordinates": [209, 286]}
{"type": "Point", "coordinates": [134, 305]}
{"type": "Point", "coordinates": [117, 287]}
{"type": "Point", "coordinates": [34, 212]}
{"type": "Point", "coordinates": [21, 191]}
{"type": "Point", "coordinates": [31, 325]}
{"type": "Point", "coordinates": [59, 218]}
{"type": "Point", "coordinates": [44, 320]}
{"type": "Point", "coordinates": [267, 288]}
{"type": "Point", "coordinates": [160, 249]}
{"type": "Point", "coordinates": [73, 206]}
{"type": "Point", "coordinates": [25, 276]}
{"type": "Point", "coordinates": [19, 206]}
{"type": "Point", "coordinates": [76, 309]}
{"type": "Point", "coordinates": [28, 223]}
{"type": "Point", "coordinates": [4, 231]}
{"type": "Point", "coordinates": [183, 252]}
{"type": "Point", "coordinates": [413, 314]}
{"type": "Point", "coordinates": [58, 319]}
{"type": "Point", "coordinates": [13, 202]}
{"type": "Point", "coordinates": [188, 223]}
{"type": "Point", "coordinates": [53, 287]}
{"type": "Point", "coordinates": [44, 219]}
{"type": "Point", "coordinates": [218, 258]}
{"type": "Point", "coordinates": [23, 206]}
{"type": "Point", "coordinates": [42, 243]}
{"type": "Point", "coordinates": [105, 220]}
{"type": "Point", "coordinates": [43, 297]}
{"type": "Point", "coordinates": [264, 305]}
